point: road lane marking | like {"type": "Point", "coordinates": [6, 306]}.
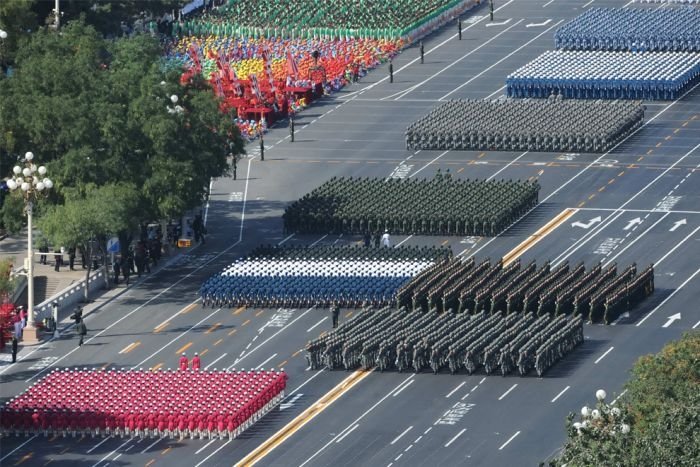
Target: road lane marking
{"type": "Point", "coordinates": [213, 453]}
{"type": "Point", "coordinates": [205, 446]}
{"type": "Point", "coordinates": [246, 322]}
{"type": "Point", "coordinates": [302, 419]}
{"type": "Point", "coordinates": [282, 364]}
{"type": "Point", "coordinates": [272, 336]}
{"type": "Point", "coordinates": [161, 326]}
{"type": "Point", "coordinates": [188, 308]}
{"type": "Point", "coordinates": [508, 391]}
{"type": "Point", "coordinates": [263, 363]}
{"type": "Point", "coordinates": [317, 324]}
{"type": "Point", "coordinates": [285, 240]}
{"type": "Point", "coordinates": [218, 342]}
{"type": "Point", "coordinates": [621, 394]}
{"type": "Point", "coordinates": [678, 289]}
{"type": "Point", "coordinates": [157, 367]}
{"type": "Point", "coordinates": [509, 440]}
{"type": "Point", "coordinates": [603, 356]}
{"type": "Point", "coordinates": [177, 337]}
{"type": "Point", "coordinates": [152, 444]}
{"type": "Point", "coordinates": [346, 433]}
{"type": "Point", "coordinates": [110, 454]}
{"type": "Point", "coordinates": [455, 437]}
{"type": "Point", "coordinates": [25, 458]}
{"type": "Point", "coordinates": [455, 389]}
{"type": "Point", "coordinates": [404, 387]}
{"type": "Point", "coordinates": [401, 435]}
{"type": "Point", "coordinates": [130, 347]}
{"type": "Point", "coordinates": [545, 230]}
{"type": "Point", "coordinates": [609, 261]}
{"type": "Point", "coordinates": [239, 310]}
{"type": "Point", "coordinates": [183, 348]}
{"type": "Point", "coordinates": [232, 332]}
{"type": "Point", "coordinates": [560, 394]}
{"type": "Point", "coordinates": [212, 363]}
{"type": "Point", "coordinates": [17, 448]}
{"type": "Point", "coordinates": [696, 325]}
{"type": "Point", "coordinates": [656, 263]}
{"type": "Point", "coordinates": [259, 313]}
{"type": "Point", "coordinates": [212, 329]}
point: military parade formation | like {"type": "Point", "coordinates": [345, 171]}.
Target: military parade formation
{"type": "Point", "coordinates": [294, 277]}
{"type": "Point", "coordinates": [400, 339]}
{"type": "Point", "coordinates": [468, 286]}
{"type": "Point", "coordinates": [442, 205]}
{"type": "Point", "coordinates": [583, 74]}
{"type": "Point", "coordinates": [525, 125]}
{"type": "Point", "coordinates": [622, 29]}
{"type": "Point", "coordinates": [137, 403]}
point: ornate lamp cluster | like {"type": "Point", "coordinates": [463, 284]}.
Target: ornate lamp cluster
{"type": "Point", "coordinates": [604, 419]}
{"type": "Point", "coordinates": [31, 179]}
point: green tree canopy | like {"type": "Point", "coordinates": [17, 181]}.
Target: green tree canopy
{"type": "Point", "coordinates": [99, 113]}
{"type": "Point", "coordinates": [662, 408]}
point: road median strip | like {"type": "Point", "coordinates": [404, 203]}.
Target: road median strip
{"type": "Point", "coordinates": [302, 419]}
{"type": "Point", "coordinates": [545, 230]}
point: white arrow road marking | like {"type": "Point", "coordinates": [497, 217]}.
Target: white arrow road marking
{"type": "Point", "coordinates": [488, 25]}
{"type": "Point", "coordinates": [677, 224]}
{"type": "Point", "coordinates": [534, 25]}
{"type": "Point", "coordinates": [288, 405]}
{"type": "Point", "coordinates": [671, 319]}
{"type": "Point", "coordinates": [632, 223]}
{"type": "Point", "coordinates": [588, 224]}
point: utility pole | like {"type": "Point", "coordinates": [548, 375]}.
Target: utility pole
{"type": "Point", "coordinates": [57, 10]}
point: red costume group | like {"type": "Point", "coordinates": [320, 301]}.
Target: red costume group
{"type": "Point", "coordinates": [144, 403]}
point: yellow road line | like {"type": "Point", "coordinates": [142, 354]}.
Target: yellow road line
{"type": "Point", "coordinates": [245, 322]}
{"type": "Point", "coordinates": [650, 151]}
{"type": "Point", "coordinates": [676, 130]}
{"type": "Point", "coordinates": [668, 137]}
{"type": "Point", "coordinates": [203, 352]}
{"type": "Point", "coordinates": [611, 181]}
{"type": "Point", "coordinates": [282, 364]}
{"type": "Point", "coordinates": [591, 197]}
{"type": "Point", "coordinates": [157, 367]}
{"type": "Point", "coordinates": [302, 419]}
{"type": "Point", "coordinates": [445, 242]}
{"type": "Point", "coordinates": [685, 124]}
{"type": "Point", "coordinates": [105, 366]}
{"type": "Point", "coordinates": [150, 462]}
{"type": "Point", "coordinates": [539, 235]}
{"type": "Point", "coordinates": [233, 331]}
{"type": "Point", "coordinates": [130, 347]}
{"type": "Point", "coordinates": [482, 155]}
{"type": "Point", "coordinates": [161, 326]}
{"type": "Point", "coordinates": [602, 188]}
{"type": "Point", "coordinates": [640, 158]}
{"type": "Point", "coordinates": [296, 353]}
{"type": "Point", "coordinates": [183, 348]}
{"type": "Point", "coordinates": [259, 313]}
{"type": "Point", "coordinates": [219, 341]}
{"type": "Point", "coordinates": [658, 145]}
{"type": "Point", "coordinates": [460, 169]}
{"type": "Point", "coordinates": [621, 174]}
{"type": "Point", "coordinates": [212, 329]}
{"type": "Point", "coordinates": [348, 314]}
{"type": "Point", "coordinates": [188, 308]}
{"type": "Point", "coordinates": [165, 451]}
{"type": "Point", "coordinates": [581, 204]}
{"type": "Point", "coordinates": [239, 310]}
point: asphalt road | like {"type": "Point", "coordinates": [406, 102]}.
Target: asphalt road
{"type": "Point", "coordinates": [638, 203]}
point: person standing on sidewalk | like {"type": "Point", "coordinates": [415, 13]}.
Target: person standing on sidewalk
{"type": "Point", "coordinates": [15, 345]}
{"type": "Point", "coordinates": [116, 267]}
{"type": "Point", "coordinates": [82, 331]}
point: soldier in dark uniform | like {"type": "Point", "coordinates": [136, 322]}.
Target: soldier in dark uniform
{"type": "Point", "coordinates": [391, 71]}
{"type": "Point", "coordinates": [335, 312]}
{"type": "Point", "coordinates": [422, 52]}
{"type": "Point", "coordinates": [291, 127]}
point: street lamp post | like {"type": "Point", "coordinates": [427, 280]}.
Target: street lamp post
{"type": "Point", "coordinates": [28, 180]}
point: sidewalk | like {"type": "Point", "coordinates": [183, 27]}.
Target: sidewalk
{"type": "Point", "coordinates": [98, 298]}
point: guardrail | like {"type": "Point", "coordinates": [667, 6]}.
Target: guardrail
{"type": "Point", "coordinates": [71, 295]}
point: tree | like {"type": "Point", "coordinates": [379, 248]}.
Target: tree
{"type": "Point", "coordinates": [87, 220]}
{"type": "Point", "coordinates": [661, 410]}
{"type": "Point", "coordinates": [17, 19]}
{"type": "Point", "coordinates": [100, 112]}
{"type": "Point", "coordinates": [7, 285]}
